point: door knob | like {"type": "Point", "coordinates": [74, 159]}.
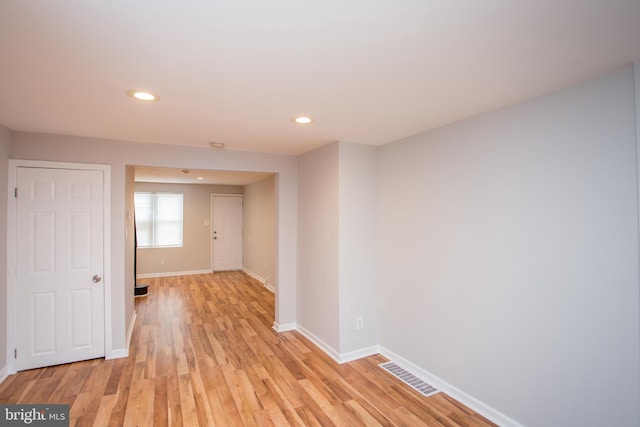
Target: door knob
{"type": "Point", "coordinates": [96, 278]}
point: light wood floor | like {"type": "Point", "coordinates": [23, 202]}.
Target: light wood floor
{"type": "Point", "coordinates": [203, 353]}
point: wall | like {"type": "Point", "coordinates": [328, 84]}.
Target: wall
{"type": "Point", "coordinates": [337, 281]}
{"type": "Point", "coordinates": [358, 296]}
{"type": "Point", "coordinates": [636, 75]}
{"type": "Point", "coordinates": [259, 238]}
{"type": "Point", "coordinates": [318, 312]}
{"type": "Point", "coordinates": [119, 154]}
{"type": "Point", "coordinates": [195, 253]}
{"type": "Point", "coordinates": [5, 142]}
{"type": "Point", "coordinates": [129, 237]}
{"type": "Point", "coordinates": [509, 248]}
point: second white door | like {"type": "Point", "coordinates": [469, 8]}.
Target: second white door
{"type": "Point", "coordinates": [226, 233]}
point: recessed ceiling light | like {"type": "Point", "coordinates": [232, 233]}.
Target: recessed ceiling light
{"type": "Point", "coordinates": [141, 95]}
{"type": "Point", "coordinates": [199, 178]}
{"type": "Point", "coordinates": [302, 120]}
{"type": "Point", "coordinates": [216, 144]}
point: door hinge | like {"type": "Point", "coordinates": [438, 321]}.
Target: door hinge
{"type": "Point", "coordinates": [15, 193]}
{"type": "Point", "coordinates": [15, 353]}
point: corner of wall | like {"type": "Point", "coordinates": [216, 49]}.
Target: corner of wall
{"type": "Point", "coordinates": [4, 373]}
{"type": "Point", "coordinates": [123, 352]}
{"type": "Point", "coordinates": [636, 83]}
{"type": "Point", "coordinates": [5, 146]}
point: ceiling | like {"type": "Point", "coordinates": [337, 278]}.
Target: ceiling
{"type": "Point", "coordinates": [236, 72]}
{"type": "Point", "coordinates": [190, 176]}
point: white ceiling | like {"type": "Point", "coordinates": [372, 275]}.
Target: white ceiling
{"type": "Point", "coordinates": [190, 176]}
{"type": "Point", "coordinates": [368, 71]}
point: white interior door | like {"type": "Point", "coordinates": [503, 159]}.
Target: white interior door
{"type": "Point", "coordinates": [59, 288]}
{"type": "Point", "coordinates": [226, 232]}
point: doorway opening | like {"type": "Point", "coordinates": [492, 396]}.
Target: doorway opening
{"type": "Point", "coordinates": [254, 247]}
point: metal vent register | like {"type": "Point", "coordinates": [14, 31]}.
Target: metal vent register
{"type": "Point", "coordinates": [409, 379]}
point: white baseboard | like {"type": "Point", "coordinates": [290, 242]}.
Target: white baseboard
{"type": "Point", "coordinates": [172, 273]}
{"type": "Point", "coordinates": [359, 354]}
{"type": "Point", "coordinates": [459, 395]}
{"type": "Point", "coordinates": [254, 275]}
{"type": "Point", "coordinates": [124, 352]}
{"type": "Point", "coordinates": [4, 373]}
{"type": "Point", "coordinates": [284, 327]}
{"type": "Point", "coordinates": [260, 279]}
{"type": "Point", "coordinates": [331, 352]}
{"type": "Point", "coordinates": [326, 348]}
{"type": "Point", "coordinates": [318, 342]}
{"type": "Point", "coordinates": [117, 353]}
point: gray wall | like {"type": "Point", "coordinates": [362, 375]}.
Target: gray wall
{"type": "Point", "coordinates": [509, 256]}
{"type": "Point", "coordinates": [337, 280]}
{"type": "Point", "coordinates": [259, 238]}
{"type": "Point", "coordinates": [358, 295]}
{"type": "Point", "coordinates": [195, 253]}
{"type": "Point", "coordinates": [5, 142]}
{"type": "Point", "coordinates": [318, 245]}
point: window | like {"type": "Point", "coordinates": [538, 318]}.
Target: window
{"type": "Point", "coordinates": [158, 220]}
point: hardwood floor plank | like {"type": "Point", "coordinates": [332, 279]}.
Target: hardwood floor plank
{"type": "Point", "coordinates": [321, 400]}
{"type": "Point", "coordinates": [357, 415]}
{"type": "Point", "coordinates": [187, 400]}
{"type": "Point", "coordinates": [160, 403]}
{"type": "Point", "coordinates": [122, 393]}
{"type": "Point", "coordinates": [221, 393]}
{"type": "Point", "coordinates": [203, 353]}
{"type": "Point", "coordinates": [174, 405]}
{"type": "Point", "coordinates": [83, 410]}
{"type": "Point", "coordinates": [104, 410]}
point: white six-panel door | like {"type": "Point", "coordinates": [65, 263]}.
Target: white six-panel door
{"type": "Point", "coordinates": [59, 260]}
{"type": "Point", "coordinates": [226, 232]}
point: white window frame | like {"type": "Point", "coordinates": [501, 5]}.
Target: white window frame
{"type": "Point", "coordinates": [156, 221]}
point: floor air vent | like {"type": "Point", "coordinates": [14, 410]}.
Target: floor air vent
{"type": "Point", "coordinates": [408, 378]}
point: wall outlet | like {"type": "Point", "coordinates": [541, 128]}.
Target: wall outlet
{"type": "Point", "coordinates": [359, 323]}
{"type": "Point", "coordinates": [162, 261]}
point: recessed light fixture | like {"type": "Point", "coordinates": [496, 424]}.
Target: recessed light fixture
{"type": "Point", "coordinates": [141, 95]}
{"type": "Point", "coordinates": [199, 178]}
{"type": "Point", "coordinates": [216, 144]}
{"type": "Point", "coordinates": [302, 120]}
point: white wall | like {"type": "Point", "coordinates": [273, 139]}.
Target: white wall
{"type": "Point", "coordinates": [509, 256]}
{"type": "Point", "coordinates": [5, 141]}
{"type": "Point", "coordinates": [358, 296]}
{"type": "Point", "coordinates": [118, 154]}
{"type": "Point", "coordinates": [318, 313]}
{"type": "Point", "coordinates": [259, 238]}
{"type": "Point", "coordinates": [130, 245]}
